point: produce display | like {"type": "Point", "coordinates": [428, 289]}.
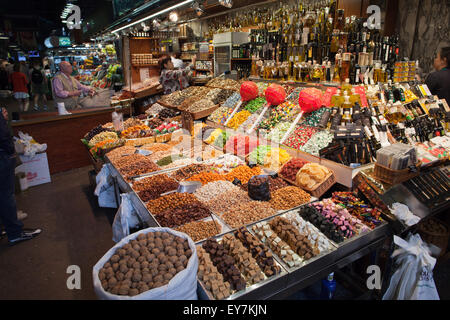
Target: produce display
{"type": "Point", "coordinates": [95, 131]}
{"type": "Point", "coordinates": [243, 213]}
{"type": "Point", "coordinates": [125, 161]}
{"type": "Point", "coordinates": [138, 168]}
{"type": "Point", "coordinates": [139, 141]}
{"type": "Point", "coordinates": [261, 253]}
{"type": "Point", "coordinates": [132, 122]}
{"type": "Point", "coordinates": [225, 264]}
{"type": "Point", "coordinates": [248, 124]}
{"type": "Point", "coordinates": [167, 128]}
{"type": "Point", "coordinates": [152, 187]}
{"type": "Point", "coordinates": [282, 112]}
{"type": "Point", "coordinates": [201, 105]}
{"type": "Point", "coordinates": [275, 183]}
{"type": "Point", "coordinates": [178, 216]}
{"type": "Point", "coordinates": [189, 171]}
{"type": "Point", "coordinates": [255, 105]}
{"type": "Point", "coordinates": [155, 109]}
{"type": "Point", "coordinates": [312, 175]}
{"type": "Point", "coordinates": [105, 135]}
{"type": "Point", "coordinates": [118, 153]}
{"type": "Point", "coordinates": [238, 119]}
{"type": "Point", "coordinates": [171, 201]}
{"type": "Point", "coordinates": [278, 132]}
{"type": "Point", "coordinates": [213, 136]}
{"type": "Point", "coordinates": [220, 115]}
{"type": "Point", "coordinates": [288, 198]}
{"type": "Point", "coordinates": [241, 145]}
{"type": "Point", "coordinates": [139, 131]}
{"type": "Point", "coordinates": [105, 145]}
{"type": "Point", "coordinates": [300, 136]}
{"type": "Point", "coordinates": [356, 207]}
{"type": "Point", "coordinates": [213, 189]}
{"type": "Point", "coordinates": [276, 244]}
{"type": "Point", "coordinates": [200, 230]}
{"type": "Point", "coordinates": [317, 142]}
{"type": "Point", "coordinates": [225, 163]}
{"type": "Point", "coordinates": [210, 276]}
{"type": "Point", "coordinates": [246, 264]}
{"type": "Point", "coordinates": [291, 168]}
{"type": "Point", "coordinates": [228, 84]}
{"type": "Point", "coordinates": [223, 201]}
{"type": "Point", "coordinates": [151, 261]}
{"type": "Point", "coordinates": [232, 100]}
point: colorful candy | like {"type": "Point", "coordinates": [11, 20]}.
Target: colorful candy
{"type": "Point", "coordinates": [300, 136]}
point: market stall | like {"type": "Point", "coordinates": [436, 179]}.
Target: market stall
{"type": "Point", "coordinates": [280, 178]}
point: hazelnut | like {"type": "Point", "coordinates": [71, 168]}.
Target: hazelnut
{"type": "Point", "coordinates": [107, 265]}
{"type": "Point", "coordinates": [144, 288]}
{"type": "Point", "coordinates": [172, 252]}
{"type": "Point", "coordinates": [130, 262]}
{"type": "Point", "coordinates": [147, 277]}
{"type": "Point", "coordinates": [183, 258]}
{"type": "Point", "coordinates": [115, 258]}
{"type": "Point", "coordinates": [163, 259]}
{"type": "Point", "coordinates": [136, 265]}
{"type": "Point", "coordinates": [144, 264]}
{"type": "Point", "coordinates": [162, 267]}
{"type": "Point", "coordinates": [136, 247]}
{"type": "Point", "coordinates": [180, 268]}
{"type": "Point", "coordinates": [188, 252]}
{"type": "Point", "coordinates": [143, 243]}
{"type": "Point", "coordinates": [168, 276]}
{"type": "Point", "coordinates": [173, 271]}
{"type": "Point", "coordinates": [129, 274]}
{"type": "Point", "coordinates": [150, 235]}
{"type": "Point", "coordinates": [180, 247]}
{"type": "Point", "coordinates": [142, 236]}
{"type": "Point", "coordinates": [137, 276]}
{"type": "Point", "coordinates": [124, 290]}
{"type": "Point", "coordinates": [165, 235]}
{"type": "Point", "coordinates": [123, 268]}
{"type": "Point", "coordinates": [115, 290]}
{"type": "Point", "coordinates": [126, 282]}
{"type": "Point", "coordinates": [105, 284]}
{"type": "Point", "coordinates": [134, 285]}
{"type": "Point", "coordinates": [135, 254]}
{"type": "Point", "coordinates": [127, 246]}
{"type": "Point", "coordinates": [112, 282]}
{"type": "Point", "coordinates": [158, 278]}
{"type": "Point", "coordinates": [169, 264]}
{"type": "Point", "coordinates": [141, 259]}
{"type": "Point", "coordinates": [173, 259]}
{"type": "Point", "coordinates": [180, 253]}
{"type": "Point", "coordinates": [145, 270]}
{"type": "Point", "coordinates": [155, 251]}
{"type": "Point", "coordinates": [101, 275]}
{"type": "Point", "coordinates": [115, 266]}
{"type": "Point", "coordinates": [133, 242]}
{"type": "Point", "coordinates": [154, 272]}
{"type": "Point", "coordinates": [158, 284]}
{"type": "Point", "coordinates": [120, 276]}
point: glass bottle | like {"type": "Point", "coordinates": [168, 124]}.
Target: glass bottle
{"type": "Point", "coordinates": [345, 68]}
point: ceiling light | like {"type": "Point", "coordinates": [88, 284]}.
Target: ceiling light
{"type": "Point", "coordinates": [173, 16]}
{"type": "Point", "coordinates": [198, 8]}
{"type": "Point", "coordinates": [155, 15]}
{"type": "Point", "coordinates": [4, 38]}
{"type": "Point", "coordinates": [226, 3]}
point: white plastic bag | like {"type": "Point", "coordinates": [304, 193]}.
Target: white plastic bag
{"type": "Point", "coordinates": [182, 287]}
{"type": "Point", "coordinates": [125, 219]}
{"type": "Point", "coordinates": [105, 188]}
{"type": "Point", "coordinates": [403, 213]}
{"type": "Point", "coordinates": [413, 280]}
{"type": "Point", "coordinates": [25, 144]}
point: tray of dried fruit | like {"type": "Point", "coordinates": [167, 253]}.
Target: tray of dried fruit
{"type": "Point", "coordinates": [345, 228]}
{"type": "Point", "coordinates": [237, 266]}
{"type": "Point", "coordinates": [300, 247]}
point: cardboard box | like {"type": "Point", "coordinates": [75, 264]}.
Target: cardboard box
{"type": "Point", "coordinates": [35, 168]}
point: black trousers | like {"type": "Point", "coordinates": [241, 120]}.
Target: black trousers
{"type": "Point", "coordinates": [8, 209]}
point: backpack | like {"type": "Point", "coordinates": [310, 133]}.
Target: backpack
{"type": "Point", "coordinates": [37, 77]}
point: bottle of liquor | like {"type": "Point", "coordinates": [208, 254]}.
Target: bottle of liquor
{"type": "Point", "coordinates": [345, 68]}
{"type": "Point", "coordinates": [337, 70]}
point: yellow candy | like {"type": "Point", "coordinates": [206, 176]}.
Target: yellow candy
{"type": "Point", "coordinates": [238, 119]}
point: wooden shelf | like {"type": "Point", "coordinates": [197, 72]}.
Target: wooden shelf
{"type": "Point", "coordinates": [145, 65]}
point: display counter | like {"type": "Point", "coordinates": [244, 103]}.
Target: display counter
{"type": "Point", "coordinates": [62, 135]}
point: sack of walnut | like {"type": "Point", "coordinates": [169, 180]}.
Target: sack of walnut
{"type": "Point", "coordinates": [160, 264]}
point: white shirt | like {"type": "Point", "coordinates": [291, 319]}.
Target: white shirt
{"type": "Point", "coordinates": [177, 63]}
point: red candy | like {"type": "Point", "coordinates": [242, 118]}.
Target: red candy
{"type": "Point", "coordinates": [300, 136]}
{"type": "Point", "coordinates": [290, 169]}
{"type": "Point", "coordinates": [241, 145]}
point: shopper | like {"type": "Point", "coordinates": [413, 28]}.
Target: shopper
{"type": "Point", "coordinates": [8, 213]}
{"type": "Point", "coordinates": [19, 84]}
{"type": "Point", "coordinates": [439, 82]}
{"type": "Point", "coordinates": [67, 89]}
{"type": "Point", "coordinates": [171, 79]}
{"type": "Point", "coordinates": [4, 83]}
{"type": "Point", "coordinates": [38, 86]}
{"type": "Point", "coordinates": [177, 62]}
{"type": "Point", "coordinates": [74, 69]}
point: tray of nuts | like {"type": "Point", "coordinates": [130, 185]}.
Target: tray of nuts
{"type": "Point", "coordinates": [301, 248]}
{"type": "Point", "coordinates": [236, 265]}
{"type": "Point", "coordinates": [204, 228]}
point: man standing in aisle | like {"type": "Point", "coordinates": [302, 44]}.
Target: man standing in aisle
{"type": "Point", "coordinates": [67, 90]}
{"type": "Point", "coordinates": [8, 212]}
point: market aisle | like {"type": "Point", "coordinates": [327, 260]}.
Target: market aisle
{"type": "Point", "coordinates": [76, 232]}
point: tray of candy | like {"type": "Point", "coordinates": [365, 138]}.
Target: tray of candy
{"type": "Point", "coordinates": [308, 267]}
{"type": "Point", "coordinates": [362, 239]}
{"type": "Point", "coordinates": [252, 291]}
{"type": "Point", "coordinates": [224, 228]}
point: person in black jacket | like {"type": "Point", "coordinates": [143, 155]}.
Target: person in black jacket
{"type": "Point", "coordinates": [439, 82]}
{"type": "Point", "coordinates": [8, 211]}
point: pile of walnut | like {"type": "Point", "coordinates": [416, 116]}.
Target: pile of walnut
{"type": "Point", "coordinates": [148, 262]}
